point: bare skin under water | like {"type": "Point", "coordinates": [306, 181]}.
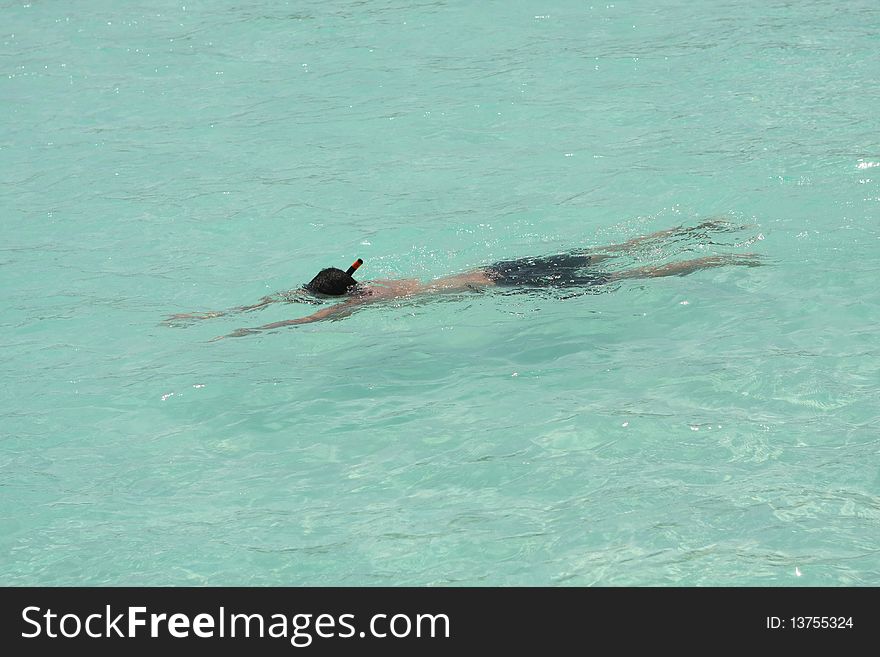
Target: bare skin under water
{"type": "Point", "coordinates": [384, 290]}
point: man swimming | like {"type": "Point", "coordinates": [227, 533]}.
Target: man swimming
{"type": "Point", "coordinates": [573, 269]}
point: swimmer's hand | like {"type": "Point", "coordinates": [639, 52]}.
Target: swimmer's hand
{"type": "Point", "coordinates": [238, 333]}
{"type": "Point", "coordinates": [178, 317]}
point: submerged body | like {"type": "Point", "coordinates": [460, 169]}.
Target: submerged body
{"type": "Point", "coordinates": [573, 269]}
{"type": "Point", "coordinates": [562, 270]}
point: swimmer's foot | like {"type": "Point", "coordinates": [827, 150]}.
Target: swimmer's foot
{"type": "Point", "coordinates": [748, 259]}
{"type": "Point", "coordinates": [721, 225]}
{"type": "Point", "coordinates": [707, 232]}
{"type": "Point", "coordinates": [730, 259]}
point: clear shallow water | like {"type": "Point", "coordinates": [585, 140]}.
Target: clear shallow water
{"type": "Point", "coordinates": [163, 157]}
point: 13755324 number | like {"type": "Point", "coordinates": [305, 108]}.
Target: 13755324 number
{"type": "Point", "coordinates": [820, 622]}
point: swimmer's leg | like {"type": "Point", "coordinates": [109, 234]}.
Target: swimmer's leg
{"type": "Point", "coordinates": [629, 245]}
{"type": "Point", "coordinates": [719, 224]}
{"type": "Point", "coordinates": [689, 266]}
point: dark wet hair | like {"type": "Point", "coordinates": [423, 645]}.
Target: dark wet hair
{"type": "Point", "coordinates": [332, 281]}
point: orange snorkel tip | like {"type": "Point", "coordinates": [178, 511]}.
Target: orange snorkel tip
{"type": "Point", "coordinates": [354, 266]}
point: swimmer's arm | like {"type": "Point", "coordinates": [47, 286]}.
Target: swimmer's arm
{"type": "Point", "coordinates": [338, 311]}
{"type": "Point", "coordinates": [262, 303]}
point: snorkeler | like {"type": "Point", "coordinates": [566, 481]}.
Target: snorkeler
{"type": "Point", "coordinates": [573, 269]}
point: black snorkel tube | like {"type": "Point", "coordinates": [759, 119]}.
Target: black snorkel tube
{"type": "Point", "coordinates": [354, 266]}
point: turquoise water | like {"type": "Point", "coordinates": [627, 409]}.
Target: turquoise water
{"type": "Point", "coordinates": [162, 157]}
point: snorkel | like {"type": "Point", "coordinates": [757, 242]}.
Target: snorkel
{"type": "Point", "coordinates": [354, 266]}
